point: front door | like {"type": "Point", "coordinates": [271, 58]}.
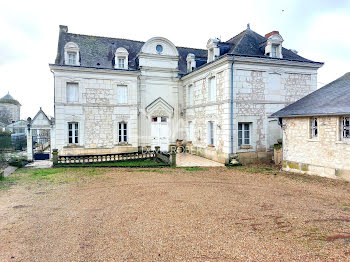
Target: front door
{"type": "Point", "coordinates": [160, 133]}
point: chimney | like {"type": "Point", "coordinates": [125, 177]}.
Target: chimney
{"type": "Point", "coordinates": [272, 33]}
{"type": "Point", "coordinates": [63, 29]}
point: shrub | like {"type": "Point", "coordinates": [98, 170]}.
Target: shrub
{"type": "Point", "coordinates": [17, 161]}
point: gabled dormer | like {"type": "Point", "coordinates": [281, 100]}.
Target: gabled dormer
{"type": "Point", "coordinates": [121, 58]}
{"type": "Point", "coordinates": [274, 44]}
{"type": "Point", "coordinates": [213, 49]}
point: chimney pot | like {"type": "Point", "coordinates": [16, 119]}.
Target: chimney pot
{"type": "Point", "coordinates": [63, 29]}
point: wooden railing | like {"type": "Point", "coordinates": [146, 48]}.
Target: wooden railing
{"type": "Point", "coordinates": [106, 157]}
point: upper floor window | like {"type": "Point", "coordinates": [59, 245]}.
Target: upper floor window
{"type": "Point", "coordinates": [121, 62]}
{"type": "Point", "coordinates": [313, 127]}
{"type": "Point", "coordinates": [273, 46]}
{"type": "Point", "coordinates": [212, 89]}
{"type": "Point", "coordinates": [121, 58]}
{"type": "Point", "coordinates": [122, 94]}
{"type": "Point", "coordinates": [190, 95]}
{"type": "Point", "coordinates": [73, 133]}
{"type": "Point", "coordinates": [345, 127]}
{"type": "Point", "coordinates": [244, 134]}
{"type": "Point", "coordinates": [72, 92]}
{"type": "Point", "coordinates": [71, 54]}
{"type": "Point", "coordinates": [274, 49]}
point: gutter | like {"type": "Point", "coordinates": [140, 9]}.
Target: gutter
{"type": "Point", "coordinates": [231, 108]}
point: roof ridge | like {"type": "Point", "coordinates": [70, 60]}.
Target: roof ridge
{"type": "Point", "coordinates": [117, 38]}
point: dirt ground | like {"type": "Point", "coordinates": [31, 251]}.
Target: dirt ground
{"type": "Point", "coordinates": [211, 214]}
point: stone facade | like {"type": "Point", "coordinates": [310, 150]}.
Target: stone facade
{"type": "Point", "coordinates": [327, 155]}
{"type": "Point", "coordinates": [259, 89]}
{"type": "Point", "coordinates": [9, 112]}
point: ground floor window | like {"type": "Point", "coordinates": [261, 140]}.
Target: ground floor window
{"type": "Point", "coordinates": [244, 133]}
{"type": "Point", "coordinates": [211, 133]}
{"type": "Point", "coordinates": [345, 128]}
{"type": "Point", "coordinates": [122, 132]}
{"type": "Point", "coordinates": [190, 131]}
{"type": "Point", "coordinates": [73, 133]}
{"type": "Point", "coordinates": [313, 127]}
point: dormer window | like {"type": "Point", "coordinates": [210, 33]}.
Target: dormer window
{"type": "Point", "coordinates": [191, 62]}
{"type": "Point", "coordinates": [213, 49]}
{"type": "Point", "coordinates": [121, 58]}
{"type": "Point", "coordinates": [72, 58]}
{"type": "Point", "coordinates": [121, 62]}
{"type": "Point", "coordinates": [71, 54]}
{"type": "Point", "coordinates": [274, 45]}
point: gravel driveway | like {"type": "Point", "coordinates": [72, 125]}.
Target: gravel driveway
{"type": "Point", "coordinates": [211, 214]}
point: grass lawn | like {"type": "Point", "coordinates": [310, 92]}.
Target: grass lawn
{"type": "Point", "coordinates": [255, 213]}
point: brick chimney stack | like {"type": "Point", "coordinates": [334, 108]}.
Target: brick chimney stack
{"type": "Point", "coordinates": [272, 33]}
{"type": "Point", "coordinates": [63, 29]}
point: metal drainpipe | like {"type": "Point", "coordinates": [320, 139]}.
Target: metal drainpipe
{"type": "Point", "coordinates": [231, 108]}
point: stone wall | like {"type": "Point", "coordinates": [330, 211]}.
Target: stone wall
{"type": "Point", "coordinates": [260, 91]}
{"type": "Point", "coordinates": [202, 111]}
{"type": "Point", "coordinates": [327, 155]}
{"type": "Point", "coordinates": [97, 112]}
{"type": "Point", "coordinates": [9, 113]}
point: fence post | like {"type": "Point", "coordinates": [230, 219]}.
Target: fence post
{"type": "Point", "coordinates": [173, 159]}
{"type": "Point", "coordinates": [54, 156]}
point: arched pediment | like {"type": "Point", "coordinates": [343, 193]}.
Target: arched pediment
{"type": "Point", "coordinates": [167, 47]}
{"type": "Point", "coordinates": [160, 107]}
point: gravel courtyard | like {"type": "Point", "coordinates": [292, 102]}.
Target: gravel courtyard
{"type": "Point", "coordinates": [186, 214]}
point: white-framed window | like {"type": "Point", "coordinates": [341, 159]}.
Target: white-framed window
{"type": "Point", "coordinates": [71, 54]}
{"type": "Point", "coordinates": [73, 133]}
{"type": "Point", "coordinates": [122, 132]}
{"type": "Point", "coordinates": [72, 92]}
{"type": "Point", "coordinates": [190, 95]}
{"type": "Point", "coordinates": [121, 58]}
{"type": "Point", "coordinates": [121, 62]}
{"type": "Point", "coordinates": [190, 131]}
{"type": "Point", "coordinates": [313, 127]}
{"type": "Point", "coordinates": [72, 58]}
{"type": "Point", "coordinates": [345, 127]}
{"type": "Point", "coordinates": [212, 89]}
{"type": "Point", "coordinates": [274, 49]}
{"type": "Point", "coordinates": [244, 134]}
{"type": "Point", "coordinates": [211, 140]}
{"type": "Point", "coordinates": [122, 94]}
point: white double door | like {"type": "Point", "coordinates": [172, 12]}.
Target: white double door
{"type": "Point", "coordinates": [160, 133]}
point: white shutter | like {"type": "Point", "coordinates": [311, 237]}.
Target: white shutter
{"type": "Point", "coordinates": [122, 94]}
{"type": "Point", "coordinates": [213, 89]}
{"type": "Point", "coordinates": [72, 92]}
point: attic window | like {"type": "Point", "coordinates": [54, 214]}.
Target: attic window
{"type": "Point", "coordinates": [274, 45]}
{"type": "Point", "coordinates": [71, 54]}
{"type": "Point", "coordinates": [121, 58]}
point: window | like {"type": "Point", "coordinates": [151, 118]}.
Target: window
{"type": "Point", "coordinates": [243, 134]}
{"type": "Point", "coordinates": [313, 127]}
{"type": "Point", "coordinates": [71, 54]}
{"type": "Point", "coordinates": [212, 89]}
{"type": "Point", "coordinates": [211, 133]}
{"type": "Point", "coordinates": [159, 49]}
{"type": "Point", "coordinates": [72, 92]}
{"type": "Point", "coordinates": [121, 58]}
{"type": "Point", "coordinates": [121, 62]}
{"type": "Point", "coordinates": [73, 133]}
{"type": "Point", "coordinates": [274, 50]}
{"type": "Point", "coordinates": [163, 119]}
{"type": "Point", "coordinates": [72, 58]}
{"type": "Point", "coordinates": [190, 131]}
{"type": "Point", "coordinates": [122, 94]}
{"type": "Point", "coordinates": [190, 95]}
{"type": "Point", "coordinates": [345, 130]}
{"type": "Point", "coordinates": [122, 132]}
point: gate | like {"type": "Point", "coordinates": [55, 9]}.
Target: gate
{"type": "Point", "coordinates": [41, 144]}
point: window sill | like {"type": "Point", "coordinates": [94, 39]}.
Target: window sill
{"type": "Point", "coordinates": [245, 147]}
{"type": "Point", "coordinates": [313, 140]}
{"type": "Point", "coordinates": [211, 146]}
{"type": "Point", "coordinates": [123, 144]}
{"type": "Point", "coordinates": [73, 146]}
{"type": "Point", "coordinates": [346, 142]}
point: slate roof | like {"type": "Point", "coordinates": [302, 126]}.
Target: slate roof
{"type": "Point", "coordinates": [9, 99]}
{"type": "Point", "coordinates": [332, 99]}
{"type": "Point", "coordinates": [98, 52]}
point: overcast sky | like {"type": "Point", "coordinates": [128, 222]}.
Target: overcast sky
{"type": "Point", "coordinates": [318, 30]}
